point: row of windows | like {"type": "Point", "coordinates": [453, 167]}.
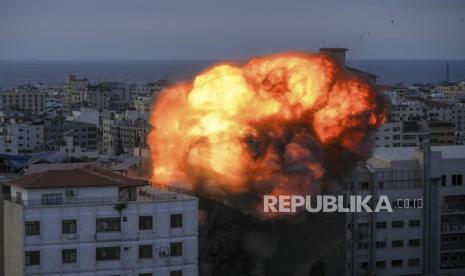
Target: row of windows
{"type": "Point", "coordinates": [414, 262]}
{"type": "Point", "coordinates": [69, 256]}
{"type": "Point", "coordinates": [394, 244]}
{"type": "Point", "coordinates": [32, 228]}
{"type": "Point", "coordinates": [394, 224]}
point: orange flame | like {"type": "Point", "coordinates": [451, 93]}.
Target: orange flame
{"type": "Point", "coordinates": [260, 125]}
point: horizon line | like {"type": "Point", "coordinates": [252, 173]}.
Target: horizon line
{"type": "Point", "coordinates": [202, 59]}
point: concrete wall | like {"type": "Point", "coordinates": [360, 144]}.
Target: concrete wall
{"type": "Point", "coordinates": [11, 238]}
{"type": "Point", "coordinates": [51, 241]}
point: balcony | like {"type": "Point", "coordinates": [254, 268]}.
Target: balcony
{"type": "Point", "coordinates": [108, 236]}
{"type": "Point", "coordinates": [147, 194]}
{"type": "Point", "coordinates": [70, 201]}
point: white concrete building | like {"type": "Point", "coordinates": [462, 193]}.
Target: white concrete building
{"type": "Point", "coordinates": [21, 138]}
{"type": "Point", "coordinates": [90, 221]}
{"type": "Point", "coordinates": [140, 88]}
{"type": "Point", "coordinates": [410, 241]}
{"type": "Point", "coordinates": [400, 134]}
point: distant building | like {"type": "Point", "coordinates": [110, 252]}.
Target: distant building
{"type": "Point", "coordinates": [440, 133]}
{"type": "Point", "coordinates": [125, 132]}
{"type": "Point", "coordinates": [339, 55]}
{"type": "Point", "coordinates": [119, 95]}
{"type": "Point", "coordinates": [142, 103]}
{"type": "Point", "coordinates": [414, 133]}
{"type": "Point", "coordinates": [21, 138]}
{"type": "Point", "coordinates": [84, 134]}
{"type": "Point", "coordinates": [141, 88]}
{"type": "Point", "coordinates": [98, 97]}
{"type": "Point", "coordinates": [71, 149]}
{"type": "Point", "coordinates": [25, 98]}
{"type": "Point", "coordinates": [90, 221]}
{"type": "Point", "coordinates": [75, 92]}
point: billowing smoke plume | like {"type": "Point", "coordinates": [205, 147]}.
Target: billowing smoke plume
{"type": "Point", "coordinates": [281, 124]}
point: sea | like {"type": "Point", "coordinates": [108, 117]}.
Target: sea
{"type": "Point", "coordinates": [49, 72]}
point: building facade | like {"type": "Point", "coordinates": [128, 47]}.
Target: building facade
{"type": "Point", "coordinates": [25, 98]}
{"type": "Point", "coordinates": [423, 234]}
{"type": "Point", "coordinates": [90, 221]}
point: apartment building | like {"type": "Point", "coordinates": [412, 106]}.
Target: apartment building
{"type": "Point", "coordinates": [440, 133]}
{"type": "Point", "coordinates": [21, 138]}
{"type": "Point", "coordinates": [142, 103]}
{"type": "Point", "coordinates": [98, 97]}
{"type": "Point", "coordinates": [25, 98]}
{"type": "Point", "coordinates": [56, 127]}
{"type": "Point", "coordinates": [400, 134]}
{"type": "Point", "coordinates": [424, 233]}
{"type": "Point", "coordinates": [91, 221]}
{"type": "Point", "coordinates": [135, 89]}
{"type": "Point", "coordinates": [451, 90]}
{"type": "Point", "coordinates": [75, 92]}
{"type": "Point", "coordinates": [125, 132]}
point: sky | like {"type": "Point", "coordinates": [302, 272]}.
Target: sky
{"type": "Point", "coordinates": [220, 29]}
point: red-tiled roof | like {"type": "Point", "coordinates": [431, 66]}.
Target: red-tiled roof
{"type": "Point", "coordinates": [88, 176]}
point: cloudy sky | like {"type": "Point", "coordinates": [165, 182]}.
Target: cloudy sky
{"type": "Point", "coordinates": [213, 29]}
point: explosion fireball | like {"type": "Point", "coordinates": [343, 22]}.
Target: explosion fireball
{"type": "Point", "coordinates": [275, 125]}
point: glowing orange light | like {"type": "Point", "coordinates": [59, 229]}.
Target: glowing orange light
{"type": "Point", "coordinates": [237, 127]}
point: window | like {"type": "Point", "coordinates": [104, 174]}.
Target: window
{"type": "Point", "coordinates": [363, 245]}
{"type": "Point", "coordinates": [176, 249]}
{"type": "Point", "coordinates": [145, 222]}
{"type": "Point", "coordinates": [107, 253]}
{"type": "Point", "coordinates": [443, 180]}
{"type": "Point", "coordinates": [68, 256]}
{"type": "Point", "coordinates": [176, 221]}
{"type": "Point", "coordinates": [176, 273]}
{"type": "Point", "coordinates": [396, 263]}
{"type": "Point", "coordinates": [145, 251]}
{"type": "Point", "coordinates": [68, 226]}
{"type": "Point", "coordinates": [363, 225]}
{"type": "Point", "coordinates": [415, 242]}
{"type": "Point", "coordinates": [32, 257]}
{"type": "Point", "coordinates": [364, 185]}
{"type": "Point", "coordinates": [381, 264]}
{"type": "Point", "coordinates": [397, 224]}
{"type": "Point", "coordinates": [414, 223]}
{"type": "Point", "coordinates": [108, 225]}
{"type": "Point", "coordinates": [397, 243]}
{"type": "Point", "coordinates": [32, 228]}
{"type": "Point", "coordinates": [52, 199]}
{"type": "Point", "coordinates": [381, 184]}
{"type": "Point", "coordinates": [380, 244]}
{"type": "Point", "coordinates": [381, 224]}
{"type": "Point", "coordinates": [413, 262]}
{"type": "Point", "coordinates": [456, 179]}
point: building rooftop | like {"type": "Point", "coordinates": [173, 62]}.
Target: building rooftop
{"type": "Point", "coordinates": [87, 176]}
